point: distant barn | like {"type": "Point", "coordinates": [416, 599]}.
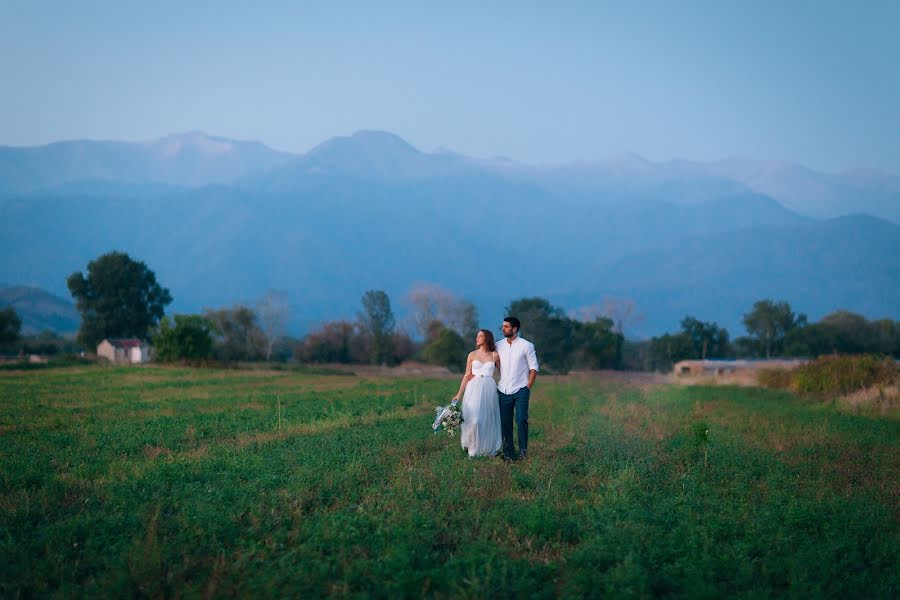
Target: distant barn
{"type": "Point", "coordinates": [124, 350]}
{"type": "Point", "coordinates": [723, 368]}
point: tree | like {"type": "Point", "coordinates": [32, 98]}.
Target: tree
{"type": "Point", "coordinates": [377, 321]}
{"type": "Point", "coordinates": [844, 332]}
{"type": "Point", "coordinates": [622, 312]}
{"type": "Point", "coordinates": [598, 345]}
{"type": "Point", "coordinates": [768, 324]}
{"type": "Point", "coordinates": [668, 349]}
{"type": "Point", "coordinates": [401, 346]}
{"type": "Point", "coordinates": [237, 335]}
{"type": "Point", "coordinates": [10, 327]}
{"type": "Point", "coordinates": [336, 342]}
{"type": "Point", "coordinates": [48, 343]}
{"type": "Point", "coordinates": [707, 339]}
{"type": "Point", "coordinates": [469, 322]}
{"type": "Point", "coordinates": [696, 340]}
{"type": "Point", "coordinates": [445, 347]}
{"type": "Point", "coordinates": [551, 332]}
{"type": "Point", "coordinates": [432, 303]}
{"type": "Point", "coordinates": [189, 338]}
{"type": "Point", "coordinates": [273, 311]}
{"type": "Point", "coordinates": [120, 297]}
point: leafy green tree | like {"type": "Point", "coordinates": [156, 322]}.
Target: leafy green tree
{"type": "Point", "coordinates": [707, 339]}
{"type": "Point", "coordinates": [768, 324]}
{"type": "Point", "coordinates": [445, 347]}
{"type": "Point", "coordinates": [844, 332]}
{"type": "Point", "coordinates": [696, 340]}
{"type": "Point", "coordinates": [563, 342]}
{"type": "Point", "coordinates": [553, 334]}
{"type": "Point", "coordinates": [189, 338]}
{"type": "Point", "coordinates": [548, 329]}
{"type": "Point", "coordinates": [48, 343]}
{"type": "Point", "coordinates": [10, 327]}
{"type": "Point", "coordinates": [377, 321]}
{"type": "Point", "coordinates": [668, 349]}
{"type": "Point", "coordinates": [469, 321]}
{"type": "Point", "coordinates": [597, 344]}
{"type": "Point", "coordinates": [237, 335]}
{"type": "Point", "coordinates": [120, 297]}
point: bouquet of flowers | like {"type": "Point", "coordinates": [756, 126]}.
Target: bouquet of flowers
{"type": "Point", "coordinates": [448, 418]}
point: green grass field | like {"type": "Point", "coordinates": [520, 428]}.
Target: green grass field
{"type": "Point", "coordinates": [163, 482]}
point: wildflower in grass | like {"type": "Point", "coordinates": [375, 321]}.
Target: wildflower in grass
{"type": "Point", "coordinates": [701, 438]}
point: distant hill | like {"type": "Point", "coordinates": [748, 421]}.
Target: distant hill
{"type": "Point", "coordinates": [819, 266]}
{"type": "Point", "coordinates": [196, 159]}
{"type": "Point", "coordinates": [813, 193]}
{"type": "Point", "coordinates": [371, 211]}
{"type": "Point", "coordinates": [191, 160]}
{"type": "Point", "coordinates": [40, 310]}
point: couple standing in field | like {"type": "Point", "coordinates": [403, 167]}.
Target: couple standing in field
{"type": "Point", "coordinates": [488, 408]}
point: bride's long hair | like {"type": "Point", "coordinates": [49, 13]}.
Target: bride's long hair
{"type": "Point", "coordinates": [488, 340]}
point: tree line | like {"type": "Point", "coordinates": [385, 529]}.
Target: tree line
{"type": "Point", "coordinates": [120, 297]}
{"type": "Point", "coordinates": [773, 330]}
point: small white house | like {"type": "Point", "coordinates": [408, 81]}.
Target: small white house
{"type": "Point", "coordinates": [124, 350]}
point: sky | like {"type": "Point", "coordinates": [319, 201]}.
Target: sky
{"type": "Point", "coordinates": [815, 82]}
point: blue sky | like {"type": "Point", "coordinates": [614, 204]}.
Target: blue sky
{"type": "Point", "coordinates": [812, 82]}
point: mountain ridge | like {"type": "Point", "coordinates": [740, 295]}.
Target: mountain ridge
{"type": "Point", "coordinates": [195, 159]}
{"type": "Point", "coordinates": [371, 211]}
{"type": "Point", "coordinates": [40, 310]}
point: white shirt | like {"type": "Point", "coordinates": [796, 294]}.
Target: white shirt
{"type": "Point", "coordinates": [516, 360]}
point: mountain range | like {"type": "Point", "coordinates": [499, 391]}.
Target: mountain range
{"type": "Point", "coordinates": [222, 221]}
{"type": "Point", "coordinates": [39, 310]}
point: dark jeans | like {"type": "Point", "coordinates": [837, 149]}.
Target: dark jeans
{"type": "Point", "coordinates": [516, 402]}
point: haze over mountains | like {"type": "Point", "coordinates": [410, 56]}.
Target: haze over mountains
{"type": "Point", "coordinates": [223, 221]}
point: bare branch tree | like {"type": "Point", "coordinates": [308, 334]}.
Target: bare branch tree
{"type": "Point", "coordinates": [273, 311]}
{"type": "Point", "coordinates": [431, 302]}
{"type": "Point", "coordinates": [622, 311]}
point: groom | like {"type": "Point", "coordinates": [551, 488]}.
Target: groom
{"type": "Point", "coordinates": [518, 370]}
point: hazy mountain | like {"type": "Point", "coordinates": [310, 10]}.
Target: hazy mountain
{"type": "Point", "coordinates": [40, 310]}
{"type": "Point", "coordinates": [819, 266]}
{"type": "Point", "coordinates": [191, 159]}
{"type": "Point", "coordinates": [370, 211]}
{"type": "Point", "coordinates": [810, 192]}
{"type": "Point", "coordinates": [196, 159]}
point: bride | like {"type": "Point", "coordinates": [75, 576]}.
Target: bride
{"type": "Point", "coordinates": [480, 404]}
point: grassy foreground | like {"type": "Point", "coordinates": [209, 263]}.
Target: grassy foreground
{"type": "Point", "coordinates": [177, 482]}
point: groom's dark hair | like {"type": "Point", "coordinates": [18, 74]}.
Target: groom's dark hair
{"type": "Point", "coordinates": [513, 322]}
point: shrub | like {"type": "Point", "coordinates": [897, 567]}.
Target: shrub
{"type": "Point", "coordinates": [446, 348]}
{"type": "Point", "coordinates": [836, 375]}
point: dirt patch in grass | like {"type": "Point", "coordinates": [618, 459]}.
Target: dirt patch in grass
{"type": "Point", "coordinates": [635, 419]}
{"type": "Point", "coordinates": [154, 452]}
{"type": "Point", "coordinates": [150, 413]}
{"type": "Point", "coordinates": [326, 425]}
{"type": "Point", "coordinates": [223, 407]}
{"type": "Point", "coordinates": [879, 400]}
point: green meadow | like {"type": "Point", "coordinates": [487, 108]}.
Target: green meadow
{"type": "Point", "coordinates": [177, 482]}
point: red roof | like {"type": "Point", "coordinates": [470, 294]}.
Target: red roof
{"type": "Point", "coordinates": [126, 342]}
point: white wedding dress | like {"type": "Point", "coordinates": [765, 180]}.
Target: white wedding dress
{"type": "Point", "coordinates": [481, 412]}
